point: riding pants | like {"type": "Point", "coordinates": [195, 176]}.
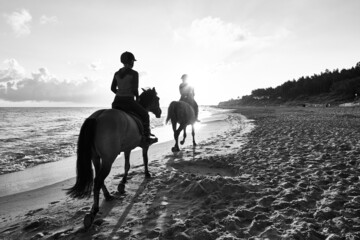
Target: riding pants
{"type": "Point", "coordinates": [192, 103]}
{"type": "Point", "coordinates": [128, 104]}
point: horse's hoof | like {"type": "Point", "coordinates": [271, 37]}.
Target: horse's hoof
{"type": "Point", "coordinates": [175, 149]}
{"type": "Point", "coordinates": [182, 142]}
{"type": "Point", "coordinates": [194, 144]}
{"type": "Point", "coordinates": [88, 220]}
{"type": "Point", "coordinates": [121, 188]}
{"type": "Point", "coordinates": [147, 175]}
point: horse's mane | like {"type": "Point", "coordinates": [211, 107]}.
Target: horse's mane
{"type": "Point", "coordinates": [147, 96]}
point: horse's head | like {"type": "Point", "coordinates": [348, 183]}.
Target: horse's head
{"type": "Point", "coordinates": [150, 101]}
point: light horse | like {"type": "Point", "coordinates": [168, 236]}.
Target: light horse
{"type": "Point", "coordinates": [182, 113]}
{"type": "Point", "coordinates": [104, 135]}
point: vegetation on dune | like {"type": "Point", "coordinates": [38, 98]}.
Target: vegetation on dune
{"type": "Point", "coordinates": [335, 86]}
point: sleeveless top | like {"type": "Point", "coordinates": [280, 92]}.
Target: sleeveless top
{"type": "Point", "coordinates": [186, 91]}
{"type": "Point", "coordinates": [126, 83]}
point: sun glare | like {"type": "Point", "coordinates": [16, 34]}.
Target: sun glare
{"type": "Point", "coordinates": [203, 85]}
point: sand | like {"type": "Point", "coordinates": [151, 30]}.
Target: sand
{"type": "Point", "coordinates": [293, 175]}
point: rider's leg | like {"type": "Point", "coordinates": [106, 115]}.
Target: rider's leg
{"type": "Point", "coordinates": [196, 109]}
{"type": "Point", "coordinates": [144, 115]}
{"type": "Point", "coordinates": [122, 103]}
{"type": "Point", "coordinates": [194, 105]}
{"type": "Point", "coordinates": [128, 104]}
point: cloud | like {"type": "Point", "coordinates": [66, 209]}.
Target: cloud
{"type": "Point", "coordinates": [48, 20]}
{"type": "Point", "coordinates": [213, 34]}
{"type": "Point", "coordinates": [214, 40]}
{"type": "Point", "coordinates": [71, 63]}
{"type": "Point", "coordinates": [43, 86]}
{"type": "Point", "coordinates": [143, 74]}
{"type": "Point", "coordinates": [96, 65]}
{"type": "Point", "coordinates": [19, 22]}
{"type": "Point", "coordinates": [13, 71]}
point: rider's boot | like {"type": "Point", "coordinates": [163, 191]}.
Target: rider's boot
{"type": "Point", "coordinates": [197, 117]}
{"type": "Point", "coordinates": [148, 136]}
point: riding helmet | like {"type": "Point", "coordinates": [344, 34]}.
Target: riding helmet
{"type": "Point", "coordinates": [183, 76]}
{"type": "Point", "coordinates": [127, 57]}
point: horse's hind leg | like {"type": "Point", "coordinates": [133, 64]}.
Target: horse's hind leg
{"type": "Point", "coordinates": [97, 165]}
{"type": "Point", "coordinates": [193, 135]}
{"type": "Point", "coordinates": [102, 172]}
{"type": "Point", "coordinates": [184, 136]}
{"type": "Point", "coordinates": [146, 159]}
{"type": "Point", "coordinates": [173, 123]}
{"type": "Point", "coordinates": [99, 181]}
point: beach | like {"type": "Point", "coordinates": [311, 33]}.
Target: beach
{"type": "Point", "coordinates": [258, 173]}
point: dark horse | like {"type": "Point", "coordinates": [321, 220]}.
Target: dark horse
{"type": "Point", "coordinates": [104, 135]}
{"type": "Point", "coordinates": [182, 113]}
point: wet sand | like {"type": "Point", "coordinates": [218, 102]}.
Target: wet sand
{"type": "Point", "coordinates": [295, 175]}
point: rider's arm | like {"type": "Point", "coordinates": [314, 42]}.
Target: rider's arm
{"type": "Point", "coordinates": [113, 85]}
{"type": "Point", "coordinates": [136, 86]}
{"type": "Point", "coordinates": [181, 89]}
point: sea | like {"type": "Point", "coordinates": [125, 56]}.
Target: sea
{"type": "Point", "coordinates": [33, 136]}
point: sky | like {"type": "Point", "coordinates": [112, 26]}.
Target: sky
{"type": "Point", "coordinates": [65, 53]}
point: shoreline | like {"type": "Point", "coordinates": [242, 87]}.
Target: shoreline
{"type": "Point", "coordinates": [30, 142]}
{"type": "Point", "coordinates": [44, 183]}
{"type": "Point", "coordinates": [54, 172]}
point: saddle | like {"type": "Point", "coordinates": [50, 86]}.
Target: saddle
{"type": "Point", "coordinates": [140, 126]}
{"type": "Point", "coordinates": [189, 102]}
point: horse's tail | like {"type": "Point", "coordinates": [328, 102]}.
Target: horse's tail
{"type": "Point", "coordinates": [171, 111]}
{"type": "Point", "coordinates": [84, 176]}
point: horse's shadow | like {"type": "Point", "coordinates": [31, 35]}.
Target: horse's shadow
{"type": "Point", "coordinates": [127, 210]}
{"type": "Point", "coordinates": [108, 206]}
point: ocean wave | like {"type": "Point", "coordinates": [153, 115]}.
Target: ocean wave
{"type": "Point", "coordinates": [9, 140]}
{"type": "Point", "coordinates": [63, 119]}
{"type": "Point", "coordinates": [41, 135]}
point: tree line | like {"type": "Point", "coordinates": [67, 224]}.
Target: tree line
{"type": "Point", "coordinates": [342, 85]}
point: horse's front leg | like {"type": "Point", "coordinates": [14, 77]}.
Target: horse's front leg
{"type": "Point", "coordinates": [146, 159]}
{"type": "Point", "coordinates": [184, 136]}
{"type": "Point", "coordinates": [127, 166]}
{"type": "Point", "coordinates": [193, 134]}
{"type": "Point", "coordinates": [121, 186]}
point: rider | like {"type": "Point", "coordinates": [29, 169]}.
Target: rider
{"type": "Point", "coordinates": [187, 95]}
{"type": "Point", "coordinates": [125, 85]}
